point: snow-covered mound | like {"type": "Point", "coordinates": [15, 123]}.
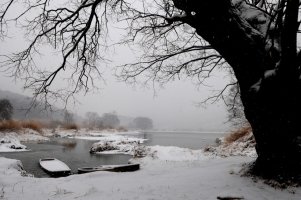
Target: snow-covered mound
{"type": "Point", "coordinates": [243, 146]}
{"type": "Point", "coordinates": [11, 166]}
{"type": "Point", "coordinates": [10, 141]}
{"type": "Point", "coordinates": [115, 144]}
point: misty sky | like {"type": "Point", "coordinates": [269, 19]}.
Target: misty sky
{"type": "Point", "coordinates": [171, 107]}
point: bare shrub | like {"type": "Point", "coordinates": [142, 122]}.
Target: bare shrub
{"type": "Point", "coordinates": [71, 126]}
{"type": "Point", "coordinates": [10, 125]}
{"type": "Point", "coordinates": [121, 129]}
{"type": "Point", "coordinates": [34, 125]}
{"type": "Point", "coordinates": [236, 135]}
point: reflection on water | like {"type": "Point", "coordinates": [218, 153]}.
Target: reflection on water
{"type": "Point", "coordinates": [75, 153]}
{"type": "Point", "coordinates": [68, 145]}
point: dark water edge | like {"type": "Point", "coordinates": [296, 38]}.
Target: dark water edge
{"type": "Point", "coordinates": [75, 152]}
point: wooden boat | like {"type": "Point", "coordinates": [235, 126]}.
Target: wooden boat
{"type": "Point", "coordinates": [54, 167]}
{"type": "Point", "coordinates": [111, 168]}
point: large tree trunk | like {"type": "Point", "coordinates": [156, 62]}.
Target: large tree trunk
{"type": "Point", "coordinates": [270, 97]}
{"type": "Point", "coordinates": [274, 114]}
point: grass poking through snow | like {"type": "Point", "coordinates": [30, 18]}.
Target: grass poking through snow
{"type": "Point", "coordinates": [236, 135]}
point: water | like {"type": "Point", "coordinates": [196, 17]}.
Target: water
{"type": "Point", "coordinates": [191, 140]}
{"type": "Point", "coordinates": [75, 153]}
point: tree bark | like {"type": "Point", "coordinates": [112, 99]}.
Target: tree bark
{"type": "Point", "coordinates": [271, 101]}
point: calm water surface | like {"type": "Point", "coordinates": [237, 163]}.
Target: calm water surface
{"type": "Point", "coordinates": [75, 153]}
{"type": "Point", "coordinates": [191, 140]}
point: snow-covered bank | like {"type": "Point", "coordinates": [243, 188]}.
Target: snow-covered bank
{"type": "Point", "coordinates": [244, 146]}
{"type": "Point", "coordinates": [88, 133]}
{"type": "Point", "coordinates": [11, 141]}
{"type": "Point", "coordinates": [157, 179]}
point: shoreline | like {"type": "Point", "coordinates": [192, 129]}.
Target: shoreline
{"type": "Point", "coordinates": [166, 173]}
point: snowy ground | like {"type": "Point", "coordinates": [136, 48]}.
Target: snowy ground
{"type": "Point", "coordinates": [166, 173]}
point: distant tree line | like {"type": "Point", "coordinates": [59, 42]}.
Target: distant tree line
{"type": "Point", "coordinates": [92, 119]}
{"type": "Point", "coordinates": [111, 120]}
{"type": "Point", "coordinates": [107, 120]}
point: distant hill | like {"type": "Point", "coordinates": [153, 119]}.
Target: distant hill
{"type": "Point", "coordinates": [21, 103]}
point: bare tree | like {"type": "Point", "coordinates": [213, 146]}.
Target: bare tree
{"type": "Point", "coordinates": [6, 109]}
{"type": "Point", "coordinates": [110, 120]}
{"type": "Point", "coordinates": [236, 115]}
{"type": "Point", "coordinates": [257, 39]}
{"type": "Point", "coordinates": [93, 119]}
{"type": "Point", "coordinates": [68, 118]}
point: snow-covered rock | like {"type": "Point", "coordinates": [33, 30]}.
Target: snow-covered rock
{"type": "Point", "coordinates": [10, 143]}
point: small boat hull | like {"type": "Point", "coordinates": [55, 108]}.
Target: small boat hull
{"type": "Point", "coordinates": [54, 167]}
{"type": "Point", "coordinates": [111, 168]}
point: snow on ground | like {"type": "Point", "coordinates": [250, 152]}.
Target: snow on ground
{"type": "Point", "coordinates": [166, 173]}
{"type": "Point", "coordinates": [244, 146]}
{"type": "Point", "coordinates": [30, 135]}
{"type": "Point", "coordinates": [157, 179]}
{"type": "Point", "coordinates": [169, 153]}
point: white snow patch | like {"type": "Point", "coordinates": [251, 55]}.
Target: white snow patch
{"type": "Point", "coordinates": [112, 138]}
{"type": "Point", "coordinates": [244, 146]}
{"type": "Point", "coordinates": [10, 167]}
{"type": "Point", "coordinates": [171, 153]}
{"type": "Point", "coordinates": [10, 141]}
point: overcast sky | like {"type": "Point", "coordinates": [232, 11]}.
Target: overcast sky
{"type": "Point", "coordinates": [171, 107]}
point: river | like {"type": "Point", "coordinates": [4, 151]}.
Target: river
{"type": "Point", "coordinates": [75, 152]}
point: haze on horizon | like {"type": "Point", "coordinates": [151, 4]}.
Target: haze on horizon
{"type": "Point", "coordinates": [171, 108]}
